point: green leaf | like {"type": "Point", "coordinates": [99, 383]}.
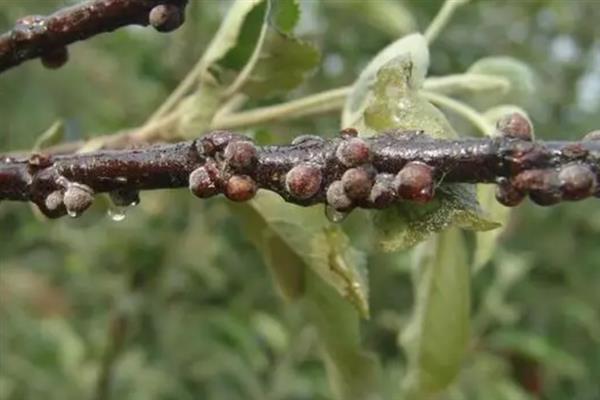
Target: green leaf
{"type": "Point", "coordinates": [304, 236]}
{"type": "Point", "coordinates": [437, 336]}
{"type": "Point", "coordinates": [237, 34]}
{"type": "Point", "coordinates": [51, 136]}
{"type": "Point", "coordinates": [267, 60]}
{"type": "Point", "coordinates": [248, 38]}
{"type": "Point", "coordinates": [285, 15]}
{"type": "Point", "coordinates": [287, 267]}
{"type": "Point", "coordinates": [283, 64]}
{"type": "Point", "coordinates": [353, 372]}
{"type": "Point", "coordinates": [411, 53]}
{"type": "Point", "coordinates": [520, 75]}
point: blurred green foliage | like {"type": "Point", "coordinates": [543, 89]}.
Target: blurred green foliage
{"type": "Point", "coordinates": [175, 302]}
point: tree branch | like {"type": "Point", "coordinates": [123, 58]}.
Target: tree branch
{"type": "Point", "coordinates": [344, 172]}
{"type": "Point", "coordinates": [47, 36]}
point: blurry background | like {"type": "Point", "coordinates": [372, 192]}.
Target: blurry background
{"type": "Point", "coordinates": [173, 302]}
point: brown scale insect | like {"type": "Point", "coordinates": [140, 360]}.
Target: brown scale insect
{"type": "Point", "coordinates": [415, 182]}
{"type": "Point", "coordinates": [304, 181]}
{"type": "Point", "coordinates": [240, 188]}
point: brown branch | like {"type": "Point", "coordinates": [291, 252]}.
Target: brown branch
{"type": "Point", "coordinates": [345, 171]}
{"type": "Point", "coordinates": [47, 36]}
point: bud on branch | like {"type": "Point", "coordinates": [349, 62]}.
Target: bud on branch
{"type": "Point", "coordinates": [48, 36]}
{"type": "Point", "coordinates": [344, 172]}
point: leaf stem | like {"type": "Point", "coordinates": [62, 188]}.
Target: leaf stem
{"type": "Point", "coordinates": [244, 74]}
{"type": "Point", "coordinates": [467, 81]}
{"type": "Point", "coordinates": [331, 100]}
{"type": "Point", "coordinates": [462, 109]}
{"type": "Point", "coordinates": [442, 18]}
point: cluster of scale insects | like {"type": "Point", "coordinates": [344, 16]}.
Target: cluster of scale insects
{"type": "Point", "coordinates": [360, 185]}
{"type": "Point", "coordinates": [232, 161]}
{"type": "Point", "coordinates": [344, 176]}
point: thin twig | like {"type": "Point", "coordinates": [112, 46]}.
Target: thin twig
{"type": "Point", "coordinates": [303, 172]}
{"type": "Point", "coordinates": [462, 109]}
{"type": "Point", "coordinates": [48, 36]}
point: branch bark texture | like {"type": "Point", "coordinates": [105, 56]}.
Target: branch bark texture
{"type": "Point", "coordinates": [47, 36]}
{"type": "Point", "coordinates": [344, 172]}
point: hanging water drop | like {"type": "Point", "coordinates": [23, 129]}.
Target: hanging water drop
{"type": "Point", "coordinates": [125, 197]}
{"type": "Point", "coordinates": [117, 213]}
{"type": "Point", "coordinates": [334, 215]}
{"type": "Point", "coordinates": [72, 213]}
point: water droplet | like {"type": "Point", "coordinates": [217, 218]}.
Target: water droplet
{"type": "Point", "coordinates": [117, 214]}
{"type": "Point", "coordinates": [334, 215]}
{"type": "Point", "coordinates": [72, 213]}
{"type": "Point", "coordinates": [125, 197]}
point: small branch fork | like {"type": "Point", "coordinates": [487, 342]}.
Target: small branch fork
{"type": "Point", "coordinates": [47, 37]}
{"type": "Point", "coordinates": [344, 172]}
